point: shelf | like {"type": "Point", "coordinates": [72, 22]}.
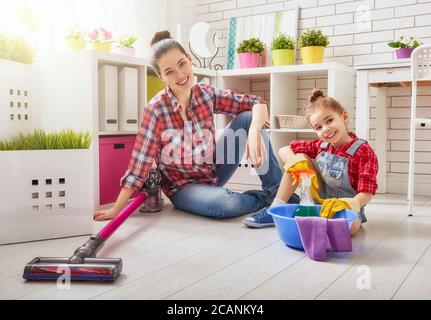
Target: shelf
{"type": "Point", "coordinates": [292, 130]}
{"type": "Point", "coordinates": [117, 133]}
{"type": "Point", "coordinates": [120, 60]}
{"type": "Point", "coordinates": [317, 69]}
{"type": "Point", "coordinates": [382, 65]}
{"type": "Point", "coordinates": [204, 72]}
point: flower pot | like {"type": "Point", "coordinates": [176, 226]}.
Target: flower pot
{"type": "Point", "coordinates": [249, 60]}
{"type": "Point", "coordinates": [404, 53]}
{"type": "Point", "coordinates": [46, 194]}
{"type": "Point", "coordinates": [313, 54]}
{"type": "Point", "coordinates": [125, 51]}
{"type": "Point", "coordinates": [102, 46]}
{"type": "Point", "coordinates": [76, 44]}
{"type": "Point", "coordinates": [283, 57]}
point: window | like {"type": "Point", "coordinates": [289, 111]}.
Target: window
{"type": "Point", "coordinates": [46, 22]}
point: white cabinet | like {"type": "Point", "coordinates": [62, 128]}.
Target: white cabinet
{"type": "Point", "coordinates": [19, 105]}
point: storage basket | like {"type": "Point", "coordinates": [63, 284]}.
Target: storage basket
{"type": "Point", "coordinates": [293, 122]}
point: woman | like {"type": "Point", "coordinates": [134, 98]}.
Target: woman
{"type": "Point", "coordinates": [177, 133]}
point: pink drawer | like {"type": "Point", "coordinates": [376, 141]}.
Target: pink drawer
{"type": "Point", "coordinates": [114, 156]}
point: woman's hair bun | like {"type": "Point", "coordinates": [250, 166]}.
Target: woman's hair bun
{"type": "Point", "coordinates": [159, 36]}
{"type": "Point", "coordinates": [315, 94]}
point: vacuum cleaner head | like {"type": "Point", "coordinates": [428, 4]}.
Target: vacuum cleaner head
{"type": "Point", "coordinates": [92, 269]}
{"type": "Point", "coordinates": [83, 264]}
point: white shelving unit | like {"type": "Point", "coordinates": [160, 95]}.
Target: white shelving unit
{"type": "Point", "coordinates": [284, 99]}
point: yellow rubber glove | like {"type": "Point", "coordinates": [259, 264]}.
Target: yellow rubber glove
{"type": "Point", "coordinates": [295, 166]}
{"type": "Point", "coordinates": [294, 160]}
{"type": "Point", "coordinates": [331, 206]}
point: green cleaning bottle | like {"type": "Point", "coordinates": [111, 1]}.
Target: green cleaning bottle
{"type": "Point", "coordinates": [306, 208]}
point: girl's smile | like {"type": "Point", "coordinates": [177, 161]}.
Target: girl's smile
{"type": "Point", "coordinates": [330, 126]}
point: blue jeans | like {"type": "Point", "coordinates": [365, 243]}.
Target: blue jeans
{"type": "Point", "coordinates": [219, 202]}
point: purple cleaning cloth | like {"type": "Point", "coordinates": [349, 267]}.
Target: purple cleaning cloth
{"type": "Point", "coordinates": [339, 236]}
{"type": "Point", "coordinates": [313, 231]}
{"type": "Point", "coordinates": [319, 235]}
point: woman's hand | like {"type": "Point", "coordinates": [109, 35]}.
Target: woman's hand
{"type": "Point", "coordinates": [256, 149]}
{"type": "Point", "coordinates": [107, 214]}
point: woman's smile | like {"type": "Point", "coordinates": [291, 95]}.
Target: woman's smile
{"type": "Point", "coordinates": [183, 82]}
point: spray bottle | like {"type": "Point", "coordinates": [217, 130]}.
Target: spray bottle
{"type": "Point", "coordinates": [306, 207]}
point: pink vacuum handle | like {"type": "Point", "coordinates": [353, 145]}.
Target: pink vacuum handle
{"type": "Point", "coordinates": [107, 231]}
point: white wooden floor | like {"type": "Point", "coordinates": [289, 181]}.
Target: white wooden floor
{"type": "Point", "coordinates": [175, 255]}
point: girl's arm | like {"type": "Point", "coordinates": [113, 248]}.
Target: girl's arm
{"type": "Point", "coordinates": [285, 153]}
{"type": "Point", "coordinates": [363, 198]}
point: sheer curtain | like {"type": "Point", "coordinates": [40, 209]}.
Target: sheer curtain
{"type": "Point", "coordinates": [51, 20]}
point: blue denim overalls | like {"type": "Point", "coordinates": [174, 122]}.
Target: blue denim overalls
{"type": "Point", "coordinates": [334, 171]}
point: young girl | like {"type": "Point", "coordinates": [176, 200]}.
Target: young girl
{"type": "Point", "coordinates": [177, 126]}
{"type": "Point", "coordinates": [346, 166]}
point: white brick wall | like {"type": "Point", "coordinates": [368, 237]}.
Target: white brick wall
{"type": "Point", "coordinates": [359, 32]}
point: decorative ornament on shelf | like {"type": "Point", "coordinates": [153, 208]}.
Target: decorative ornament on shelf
{"type": "Point", "coordinates": [75, 39]}
{"type": "Point", "coordinates": [101, 39]}
{"type": "Point", "coordinates": [125, 45]}
{"type": "Point", "coordinates": [204, 45]}
{"type": "Point", "coordinates": [313, 43]}
{"type": "Point", "coordinates": [283, 50]}
{"type": "Point", "coordinates": [250, 53]}
{"type": "Point", "coordinates": [405, 46]}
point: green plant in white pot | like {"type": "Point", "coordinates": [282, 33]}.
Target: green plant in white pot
{"type": "Point", "coordinates": [283, 50]}
{"type": "Point", "coordinates": [15, 48]}
{"type": "Point", "coordinates": [125, 45]}
{"type": "Point", "coordinates": [40, 140]}
{"type": "Point", "coordinates": [48, 186]}
{"type": "Point", "coordinates": [313, 43]}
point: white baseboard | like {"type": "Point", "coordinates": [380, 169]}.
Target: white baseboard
{"type": "Point", "coordinates": [397, 183]}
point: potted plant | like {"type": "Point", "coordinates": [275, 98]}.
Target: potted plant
{"type": "Point", "coordinates": [313, 43]}
{"type": "Point", "coordinates": [47, 190]}
{"type": "Point", "coordinates": [405, 46]}
{"type": "Point", "coordinates": [250, 51]}
{"type": "Point", "coordinates": [75, 39]}
{"type": "Point", "coordinates": [15, 48]}
{"type": "Point", "coordinates": [101, 39]}
{"type": "Point", "coordinates": [126, 45]}
{"type": "Point", "coordinates": [283, 50]}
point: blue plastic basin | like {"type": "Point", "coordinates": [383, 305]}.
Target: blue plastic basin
{"type": "Point", "coordinates": [287, 228]}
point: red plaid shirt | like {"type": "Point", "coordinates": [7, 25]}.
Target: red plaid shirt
{"type": "Point", "coordinates": [363, 166]}
{"type": "Point", "coordinates": [162, 130]}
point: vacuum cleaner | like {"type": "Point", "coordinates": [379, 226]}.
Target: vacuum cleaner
{"type": "Point", "coordinates": [83, 264]}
